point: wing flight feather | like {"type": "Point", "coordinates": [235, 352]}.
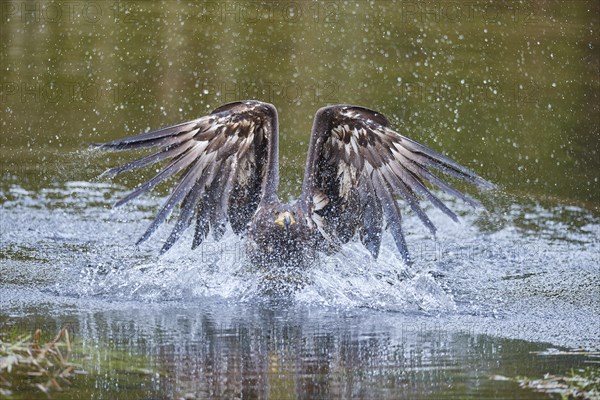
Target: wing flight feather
{"type": "Point", "coordinates": [359, 164]}
{"type": "Point", "coordinates": [225, 159]}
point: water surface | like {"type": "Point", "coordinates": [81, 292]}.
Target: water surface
{"type": "Point", "coordinates": [509, 90]}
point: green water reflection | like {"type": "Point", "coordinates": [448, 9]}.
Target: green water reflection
{"type": "Point", "coordinates": [224, 351]}
{"type": "Point", "coordinates": [509, 88]}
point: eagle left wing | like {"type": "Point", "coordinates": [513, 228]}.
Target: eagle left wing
{"type": "Point", "coordinates": [227, 162]}
{"type": "Point", "coordinates": [355, 167]}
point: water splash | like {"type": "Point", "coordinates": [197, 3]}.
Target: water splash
{"type": "Point", "coordinates": [525, 263]}
{"type": "Point", "coordinates": [92, 249]}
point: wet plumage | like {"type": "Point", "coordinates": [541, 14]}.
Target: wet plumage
{"type": "Point", "coordinates": [356, 168]}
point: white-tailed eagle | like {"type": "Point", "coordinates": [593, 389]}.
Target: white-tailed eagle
{"type": "Point", "coordinates": [356, 168]}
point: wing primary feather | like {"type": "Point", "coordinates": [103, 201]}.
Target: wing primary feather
{"type": "Point", "coordinates": [417, 147]}
{"type": "Point", "coordinates": [185, 216]}
{"type": "Point", "coordinates": [180, 191]}
{"type": "Point", "coordinates": [202, 223]}
{"type": "Point", "coordinates": [218, 202]}
{"type": "Point", "coordinates": [372, 218]}
{"type": "Point", "coordinates": [417, 185]}
{"type": "Point", "coordinates": [180, 162]}
{"type": "Point", "coordinates": [222, 213]}
{"type": "Point", "coordinates": [392, 214]}
{"type": "Point", "coordinates": [419, 171]}
{"type": "Point", "coordinates": [149, 139]}
{"type": "Point", "coordinates": [168, 152]}
{"type": "Point", "coordinates": [224, 193]}
{"type": "Point", "coordinates": [441, 163]}
{"type": "Point", "coordinates": [408, 193]}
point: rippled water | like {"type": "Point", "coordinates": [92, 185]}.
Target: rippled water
{"type": "Point", "coordinates": [482, 296]}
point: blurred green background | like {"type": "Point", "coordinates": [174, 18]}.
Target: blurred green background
{"type": "Point", "coordinates": [509, 89]}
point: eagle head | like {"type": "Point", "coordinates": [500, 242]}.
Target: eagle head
{"type": "Point", "coordinates": [285, 219]}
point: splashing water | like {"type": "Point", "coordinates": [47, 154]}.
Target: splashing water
{"type": "Point", "coordinates": [66, 240]}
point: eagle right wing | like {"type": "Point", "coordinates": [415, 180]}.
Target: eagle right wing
{"type": "Point", "coordinates": [228, 162]}
{"type": "Point", "coordinates": [355, 168]}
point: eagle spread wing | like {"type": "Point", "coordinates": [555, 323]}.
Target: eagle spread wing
{"type": "Point", "coordinates": [357, 164]}
{"type": "Point", "coordinates": [228, 165]}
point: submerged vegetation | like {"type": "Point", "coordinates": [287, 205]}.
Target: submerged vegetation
{"type": "Point", "coordinates": [580, 384]}
{"type": "Point", "coordinates": [25, 363]}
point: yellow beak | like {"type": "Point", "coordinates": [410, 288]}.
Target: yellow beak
{"type": "Point", "coordinates": [285, 219]}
